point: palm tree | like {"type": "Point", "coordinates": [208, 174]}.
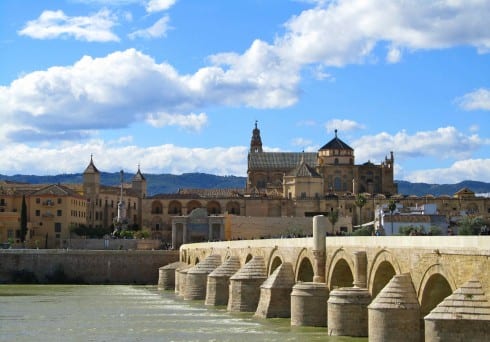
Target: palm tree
{"type": "Point", "coordinates": [391, 208]}
{"type": "Point", "coordinates": [360, 202]}
{"type": "Point", "coordinates": [333, 217]}
{"type": "Point", "coordinates": [23, 219]}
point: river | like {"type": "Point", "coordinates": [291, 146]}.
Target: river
{"type": "Point", "coordinates": [132, 313]}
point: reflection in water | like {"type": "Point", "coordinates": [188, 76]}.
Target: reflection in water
{"type": "Point", "coordinates": [131, 313]}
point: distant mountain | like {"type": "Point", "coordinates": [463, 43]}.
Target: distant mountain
{"type": "Point", "coordinates": [168, 183]}
{"type": "Point", "coordinates": [421, 189]}
{"type": "Point", "coordinates": [162, 183]}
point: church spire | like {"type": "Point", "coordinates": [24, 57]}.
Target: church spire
{"type": "Point", "coordinates": [256, 143]}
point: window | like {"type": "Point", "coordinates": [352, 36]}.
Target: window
{"type": "Point", "coordinates": [57, 227]}
{"type": "Point", "coordinates": [38, 200]}
{"type": "Point", "coordinates": [59, 200]}
{"type": "Point", "coordinates": [58, 212]}
{"type": "Point", "coordinates": [38, 212]}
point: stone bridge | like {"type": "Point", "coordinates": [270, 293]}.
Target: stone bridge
{"type": "Point", "coordinates": [436, 266]}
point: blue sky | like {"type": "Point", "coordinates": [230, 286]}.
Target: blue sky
{"type": "Point", "coordinates": [176, 86]}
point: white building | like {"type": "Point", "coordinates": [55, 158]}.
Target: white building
{"type": "Point", "coordinates": [421, 218]}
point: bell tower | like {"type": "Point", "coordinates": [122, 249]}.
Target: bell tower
{"type": "Point", "coordinates": [256, 143]}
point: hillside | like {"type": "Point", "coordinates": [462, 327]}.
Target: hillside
{"type": "Point", "coordinates": [168, 183]}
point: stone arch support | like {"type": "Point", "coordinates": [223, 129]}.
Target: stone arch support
{"type": "Point", "coordinates": [274, 260]}
{"type": "Point", "coordinates": [303, 256]}
{"type": "Point", "coordinates": [434, 270]}
{"type": "Point", "coordinates": [340, 255]}
{"type": "Point", "coordinates": [381, 257]}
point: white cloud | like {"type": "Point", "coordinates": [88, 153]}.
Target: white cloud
{"type": "Point", "coordinates": [394, 55]}
{"type": "Point", "coordinates": [73, 158]}
{"type": "Point", "coordinates": [56, 24]}
{"type": "Point", "coordinates": [343, 125]}
{"type": "Point", "coordinates": [340, 32]}
{"type": "Point", "coordinates": [128, 86]}
{"type": "Point", "coordinates": [157, 30]}
{"type": "Point", "coordinates": [476, 100]}
{"type": "Point", "coordinates": [192, 121]}
{"type": "Point", "coordinates": [159, 5]}
{"type": "Point", "coordinates": [301, 142]}
{"type": "Point", "coordinates": [444, 143]}
{"type": "Point", "coordinates": [469, 169]}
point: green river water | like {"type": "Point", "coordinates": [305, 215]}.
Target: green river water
{"type": "Point", "coordinates": [132, 313]}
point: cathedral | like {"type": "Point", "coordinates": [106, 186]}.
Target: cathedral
{"type": "Point", "coordinates": [330, 170]}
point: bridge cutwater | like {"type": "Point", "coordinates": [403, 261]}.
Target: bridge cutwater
{"type": "Point", "coordinates": [387, 288]}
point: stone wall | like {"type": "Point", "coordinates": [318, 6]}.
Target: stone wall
{"type": "Point", "coordinates": [252, 227]}
{"type": "Point", "coordinates": [113, 244]}
{"type": "Point", "coordinates": [83, 266]}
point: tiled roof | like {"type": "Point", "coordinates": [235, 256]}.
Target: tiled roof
{"type": "Point", "coordinates": [138, 176]}
{"type": "Point", "coordinates": [57, 190]}
{"type": "Point", "coordinates": [304, 170]}
{"type": "Point", "coordinates": [279, 160]}
{"type": "Point", "coordinates": [336, 144]}
{"type": "Point", "coordinates": [91, 167]}
{"type": "Point", "coordinates": [212, 193]}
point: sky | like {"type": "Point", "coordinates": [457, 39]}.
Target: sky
{"type": "Point", "coordinates": [176, 86]}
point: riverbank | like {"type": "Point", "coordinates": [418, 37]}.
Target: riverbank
{"type": "Point", "coordinates": [65, 266]}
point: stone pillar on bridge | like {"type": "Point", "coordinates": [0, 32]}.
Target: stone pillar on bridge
{"type": "Point", "coordinates": [195, 283]}
{"type": "Point", "coordinates": [245, 286]}
{"type": "Point", "coordinates": [319, 233]}
{"type": "Point", "coordinates": [218, 283]}
{"type": "Point", "coordinates": [166, 275]}
{"type": "Point", "coordinates": [180, 278]}
{"type": "Point", "coordinates": [309, 304]}
{"type": "Point", "coordinates": [348, 312]}
{"type": "Point", "coordinates": [275, 293]}
{"type": "Point", "coordinates": [360, 269]}
{"type": "Point", "coordinates": [463, 316]}
{"type": "Point", "coordinates": [394, 315]}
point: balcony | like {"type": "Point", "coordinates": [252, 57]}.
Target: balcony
{"type": "Point", "coordinates": [48, 203]}
{"type": "Point", "coordinates": [47, 215]}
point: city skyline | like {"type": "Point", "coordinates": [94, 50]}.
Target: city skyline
{"type": "Point", "coordinates": [176, 86]}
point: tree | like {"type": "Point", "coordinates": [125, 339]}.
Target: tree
{"type": "Point", "coordinates": [333, 217]}
{"type": "Point", "coordinates": [470, 225]}
{"type": "Point", "coordinates": [391, 208]}
{"type": "Point", "coordinates": [360, 202]}
{"type": "Point", "coordinates": [23, 219]}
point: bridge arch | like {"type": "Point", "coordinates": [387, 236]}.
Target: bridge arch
{"type": "Point", "coordinates": [275, 260]}
{"type": "Point", "coordinates": [383, 268]}
{"type": "Point", "coordinates": [304, 267]}
{"type": "Point", "coordinates": [437, 283]}
{"type": "Point", "coordinates": [340, 270]}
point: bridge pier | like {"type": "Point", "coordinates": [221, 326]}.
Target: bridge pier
{"type": "Point", "coordinates": [245, 286]}
{"type": "Point", "coordinates": [180, 279]}
{"type": "Point", "coordinates": [196, 280]}
{"type": "Point", "coordinates": [463, 316]}
{"type": "Point", "coordinates": [309, 304]}
{"type": "Point", "coordinates": [275, 293]}
{"type": "Point", "coordinates": [166, 275]}
{"type": "Point", "coordinates": [218, 283]}
{"type": "Point", "coordinates": [394, 315]}
{"type": "Point", "coordinates": [348, 312]}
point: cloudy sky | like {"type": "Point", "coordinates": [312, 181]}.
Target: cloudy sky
{"type": "Point", "coordinates": [176, 85]}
